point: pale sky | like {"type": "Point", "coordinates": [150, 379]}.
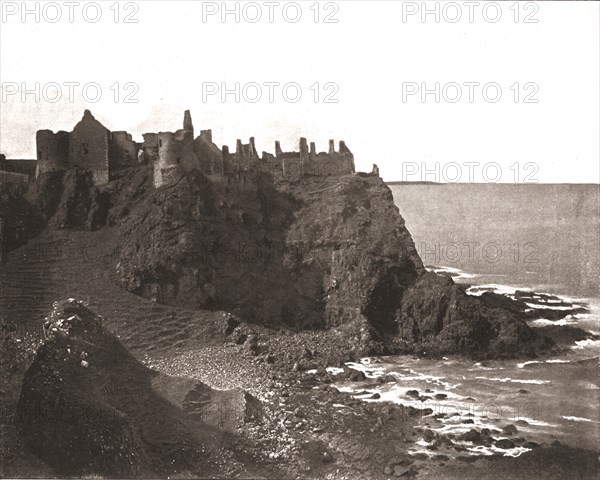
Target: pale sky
{"type": "Point", "coordinates": [376, 54]}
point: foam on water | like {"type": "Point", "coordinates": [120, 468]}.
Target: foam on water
{"type": "Point", "coordinates": [543, 322]}
{"type": "Point", "coordinates": [515, 380]}
{"type": "Point", "coordinates": [456, 273]}
{"type": "Point", "coordinates": [579, 419]}
{"type": "Point", "coordinates": [587, 344]}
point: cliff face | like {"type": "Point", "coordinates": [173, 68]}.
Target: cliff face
{"type": "Point", "coordinates": [324, 252]}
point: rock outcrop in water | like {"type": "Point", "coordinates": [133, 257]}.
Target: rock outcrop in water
{"type": "Point", "coordinates": [88, 407]}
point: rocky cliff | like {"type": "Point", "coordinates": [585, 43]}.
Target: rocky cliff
{"type": "Point", "coordinates": [321, 253]}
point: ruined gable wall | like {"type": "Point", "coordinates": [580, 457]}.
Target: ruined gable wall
{"type": "Point", "coordinates": [89, 148]}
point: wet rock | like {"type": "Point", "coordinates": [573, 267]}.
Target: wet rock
{"type": "Point", "coordinates": [441, 396]}
{"type": "Point", "coordinates": [386, 378]}
{"type": "Point", "coordinates": [509, 430]}
{"type": "Point", "coordinates": [412, 393]}
{"type": "Point", "coordinates": [353, 375]}
{"type": "Point", "coordinates": [524, 391]}
{"type": "Point", "coordinates": [531, 445]}
{"type": "Point", "coordinates": [441, 457]}
{"type": "Point", "coordinates": [472, 436]}
{"type": "Point", "coordinates": [504, 444]}
{"type": "Point", "coordinates": [375, 396]}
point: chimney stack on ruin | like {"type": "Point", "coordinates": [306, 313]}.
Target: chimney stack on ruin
{"type": "Point", "coordinates": [187, 122]}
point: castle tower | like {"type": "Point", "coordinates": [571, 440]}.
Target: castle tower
{"type": "Point", "coordinates": [253, 152]}
{"type": "Point", "coordinates": [52, 151]}
{"type": "Point", "coordinates": [331, 147]}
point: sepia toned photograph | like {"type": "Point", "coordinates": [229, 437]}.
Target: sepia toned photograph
{"type": "Point", "coordinates": [313, 239]}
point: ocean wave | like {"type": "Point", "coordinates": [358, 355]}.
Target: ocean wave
{"type": "Point", "coordinates": [531, 362]}
{"type": "Point", "coordinates": [456, 273]}
{"type": "Point", "coordinates": [507, 290]}
{"type": "Point", "coordinates": [561, 323]}
{"type": "Point", "coordinates": [514, 380]}
{"type": "Point", "coordinates": [585, 344]}
{"type": "Point", "coordinates": [579, 419]}
{"type": "Point", "coordinates": [545, 306]}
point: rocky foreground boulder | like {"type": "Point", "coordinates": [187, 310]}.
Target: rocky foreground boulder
{"type": "Point", "coordinates": [88, 407]}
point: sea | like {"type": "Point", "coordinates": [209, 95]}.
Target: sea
{"type": "Point", "coordinates": [504, 238]}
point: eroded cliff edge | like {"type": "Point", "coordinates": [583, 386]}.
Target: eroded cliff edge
{"type": "Point", "coordinates": [329, 253]}
{"type": "Point", "coordinates": [326, 253]}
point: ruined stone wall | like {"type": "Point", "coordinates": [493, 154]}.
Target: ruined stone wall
{"type": "Point", "coordinates": [52, 151]}
{"type": "Point", "coordinates": [20, 167]}
{"type": "Point", "coordinates": [330, 164]}
{"type": "Point", "coordinates": [122, 151]}
{"type": "Point", "coordinates": [89, 145]}
{"type": "Point", "coordinates": [150, 148]}
{"type": "Point", "coordinates": [187, 156]}
{"type": "Point", "coordinates": [295, 165]}
{"type": "Point", "coordinates": [210, 156]}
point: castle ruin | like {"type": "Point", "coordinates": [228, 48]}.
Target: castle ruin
{"type": "Point", "coordinates": [94, 148]}
{"type": "Point", "coordinates": [90, 146]}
